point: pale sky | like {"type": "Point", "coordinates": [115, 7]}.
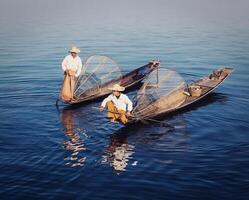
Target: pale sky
{"type": "Point", "coordinates": [138, 11]}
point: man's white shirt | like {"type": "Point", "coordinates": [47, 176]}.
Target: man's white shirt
{"type": "Point", "coordinates": [72, 63]}
{"type": "Point", "coordinates": [121, 103]}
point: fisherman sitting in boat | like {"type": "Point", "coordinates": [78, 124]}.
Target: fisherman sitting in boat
{"type": "Point", "coordinates": [71, 66]}
{"type": "Point", "coordinates": [119, 106]}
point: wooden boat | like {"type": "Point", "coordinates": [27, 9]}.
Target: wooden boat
{"type": "Point", "coordinates": [165, 92]}
{"type": "Point", "coordinates": [102, 73]}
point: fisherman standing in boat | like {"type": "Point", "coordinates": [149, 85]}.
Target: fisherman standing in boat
{"type": "Point", "coordinates": [71, 66]}
{"type": "Point", "coordinates": [119, 106]}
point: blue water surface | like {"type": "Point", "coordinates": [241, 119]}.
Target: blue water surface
{"type": "Point", "coordinates": [202, 153]}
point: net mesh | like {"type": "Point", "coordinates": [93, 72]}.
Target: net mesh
{"type": "Point", "coordinates": [160, 83]}
{"type": "Point", "coordinates": [98, 70]}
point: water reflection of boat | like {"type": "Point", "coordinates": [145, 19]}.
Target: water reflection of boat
{"type": "Point", "coordinates": [120, 151]}
{"type": "Point", "coordinates": [74, 143]}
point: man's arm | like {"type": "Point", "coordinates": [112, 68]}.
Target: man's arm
{"type": "Point", "coordinates": [104, 102]}
{"type": "Point", "coordinates": [64, 64]}
{"type": "Point", "coordinates": [129, 104]}
{"type": "Point", "coordinates": [79, 67]}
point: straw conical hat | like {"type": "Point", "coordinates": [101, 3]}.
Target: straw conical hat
{"type": "Point", "coordinates": [117, 87]}
{"type": "Point", "coordinates": [74, 50]}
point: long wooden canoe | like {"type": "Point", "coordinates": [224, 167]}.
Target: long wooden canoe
{"type": "Point", "coordinates": [181, 97]}
{"type": "Point", "coordinates": [128, 80]}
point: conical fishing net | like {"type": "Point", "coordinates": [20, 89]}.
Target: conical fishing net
{"type": "Point", "coordinates": [98, 70]}
{"type": "Point", "coordinates": [162, 90]}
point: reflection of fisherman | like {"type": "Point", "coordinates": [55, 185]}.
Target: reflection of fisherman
{"type": "Point", "coordinates": [118, 105]}
{"type": "Point", "coordinates": [119, 152]}
{"type": "Point", "coordinates": [121, 156]}
{"type": "Point", "coordinates": [148, 68]}
{"type": "Point", "coordinates": [68, 122]}
{"type": "Point", "coordinates": [75, 144]}
{"type": "Point", "coordinates": [71, 66]}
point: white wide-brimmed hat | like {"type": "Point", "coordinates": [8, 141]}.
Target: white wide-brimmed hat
{"type": "Point", "coordinates": [117, 87]}
{"type": "Point", "coordinates": [74, 50]}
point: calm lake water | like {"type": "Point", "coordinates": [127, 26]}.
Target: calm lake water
{"type": "Point", "coordinates": [76, 154]}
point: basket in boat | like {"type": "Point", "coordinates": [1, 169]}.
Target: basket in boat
{"type": "Point", "coordinates": [195, 91]}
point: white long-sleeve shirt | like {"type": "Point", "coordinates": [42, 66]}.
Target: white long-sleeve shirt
{"type": "Point", "coordinates": [73, 64]}
{"type": "Point", "coordinates": [121, 103]}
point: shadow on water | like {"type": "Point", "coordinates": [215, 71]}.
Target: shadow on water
{"type": "Point", "coordinates": [122, 143]}
{"type": "Point", "coordinates": [122, 146]}
{"type": "Point", "coordinates": [119, 153]}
